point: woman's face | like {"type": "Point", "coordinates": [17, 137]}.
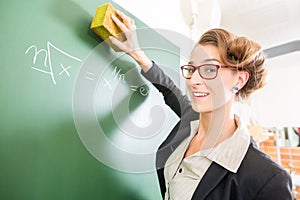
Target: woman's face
{"type": "Point", "coordinates": [210, 95]}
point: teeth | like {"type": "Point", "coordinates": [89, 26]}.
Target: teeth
{"type": "Point", "coordinates": [198, 94]}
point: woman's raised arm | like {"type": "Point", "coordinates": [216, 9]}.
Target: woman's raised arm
{"type": "Point", "coordinates": [130, 46]}
{"type": "Point", "coordinates": [172, 95]}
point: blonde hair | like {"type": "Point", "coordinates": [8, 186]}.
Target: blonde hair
{"type": "Point", "coordinates": [242, 53]}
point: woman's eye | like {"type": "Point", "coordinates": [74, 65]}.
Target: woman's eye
{"type": "Point", "coordinates": [210, 70]}
{"type": "Point", "coordinates": [191, 70]}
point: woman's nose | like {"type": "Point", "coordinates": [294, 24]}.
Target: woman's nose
{"type": "Point", "coordinates": [196, 79]}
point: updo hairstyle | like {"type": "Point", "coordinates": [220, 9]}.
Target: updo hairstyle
{"type": "Point", "coordinates": [242, 53]}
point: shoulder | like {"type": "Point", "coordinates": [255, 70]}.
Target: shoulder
{"type": "Point", "coordinates": [268, 180]}
{"type": "Point", "coordinates": [261, 170]}
{"type": "Point", "coordinates": [256, 160]}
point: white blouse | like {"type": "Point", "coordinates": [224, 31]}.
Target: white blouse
{"type": "Point", "coordinates": [182, 175]}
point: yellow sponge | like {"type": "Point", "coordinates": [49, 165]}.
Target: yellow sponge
{"type": "Point", "coordinates": [103, 25]}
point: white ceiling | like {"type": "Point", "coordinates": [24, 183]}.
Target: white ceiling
{"type": "Point", "coordinates": [272, 22]}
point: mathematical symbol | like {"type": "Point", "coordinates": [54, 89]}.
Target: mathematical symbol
{"type": "Point", "coordinates": [48, 60]}
{"type": "Point", "coordinates": [144, 91]}
{"type": "Point", "coordinates": [107, 83]}
{"type": "Point", "coordinates": [117, 75]}
{"type": "Point", "coordinates": [90, 76]}
{"type": "Point", "coordinates": [134, 88]}
{"type": "Point", "coordinates": [65, 69]}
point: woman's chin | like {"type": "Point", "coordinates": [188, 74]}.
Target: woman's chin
{"type": "Point", "coordinates": [200, 108]}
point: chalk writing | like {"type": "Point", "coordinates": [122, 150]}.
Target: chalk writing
{"type": "Point", "coordinates": [48, 60]}
{"type": "Point", "coordinates": [134, 88]}
{"type": "Point", "coordinates": [65, 70]}
{"type": "Point", "coordinates": [90, 76]}
{"type": "Point", "coordinates": [143, 90]}
{"type": "Point", "coordinates": [117, 75]}
{"type": "Point", "coordinates": [107, 83]}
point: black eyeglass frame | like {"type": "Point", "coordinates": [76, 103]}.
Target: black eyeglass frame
{"type": "Point", "coordinates": [198, 68]}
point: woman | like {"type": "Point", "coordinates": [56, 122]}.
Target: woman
{"type": "Point", "coordinates": [209, 154]}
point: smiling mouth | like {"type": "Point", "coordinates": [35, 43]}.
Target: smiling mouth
{"type": "Point", "coordinates": [200, 94]}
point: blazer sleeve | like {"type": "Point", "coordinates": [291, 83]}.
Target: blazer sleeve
{"type": "Point", "coordinates": [278, 186]}
{"type": "Point", "coordinates": [173, 97]}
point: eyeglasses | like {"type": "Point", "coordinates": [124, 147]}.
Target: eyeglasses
{"type": "Point", "coordinates": [206, 71]}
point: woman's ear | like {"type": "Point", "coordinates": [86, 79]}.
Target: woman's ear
{"type": "Point", "coordinates": [243, 77]}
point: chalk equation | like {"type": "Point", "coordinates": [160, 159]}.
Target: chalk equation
{"type": "Point", "coordinates": [47, 65]}
{"type": "Point", "coordinates": [118, 76]}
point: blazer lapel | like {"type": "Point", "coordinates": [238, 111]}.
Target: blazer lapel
{"type": "Point", "coordinates": [175, 159]}
{"type": "Point", "coordinates": [210, 180]}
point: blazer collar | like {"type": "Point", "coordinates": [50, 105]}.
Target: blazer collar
{"type": "Point", "coordinates": [210, 180]}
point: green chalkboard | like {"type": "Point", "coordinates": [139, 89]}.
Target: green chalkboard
{"type": "Point", "coordinates": [72, 109]}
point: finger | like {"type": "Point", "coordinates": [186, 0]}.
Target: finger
{"type": "Point", "coordinates": [126, 20]}
{"type": "Point", "coordinates": [121, 14]}
{"type": "Point", "coordinates": [130, 24]}
{"type": "Point", "coordinates": [121, 25]}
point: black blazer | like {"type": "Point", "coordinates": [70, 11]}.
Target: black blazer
{"type": "Point", "coordinates": [258, 177]}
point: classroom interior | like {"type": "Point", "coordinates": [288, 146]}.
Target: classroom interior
{"type": "Point", "coordinates": [274, 112]}
{"type": "Point", "coordinates": [51, 98]}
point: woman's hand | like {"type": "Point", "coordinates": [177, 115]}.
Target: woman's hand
{"type": "Point", "coordinates": [128, 28]}
{"type": "Point", "coordinates": [130, 46]}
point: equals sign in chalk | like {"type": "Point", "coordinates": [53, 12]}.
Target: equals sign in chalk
{"type": "Point", "coordinates": [134, 88]}
{"type": "Point", "coordinates": [90, 76]}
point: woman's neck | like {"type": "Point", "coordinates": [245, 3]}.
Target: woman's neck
{"type": "Point", "coordinates": [216, 126]}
